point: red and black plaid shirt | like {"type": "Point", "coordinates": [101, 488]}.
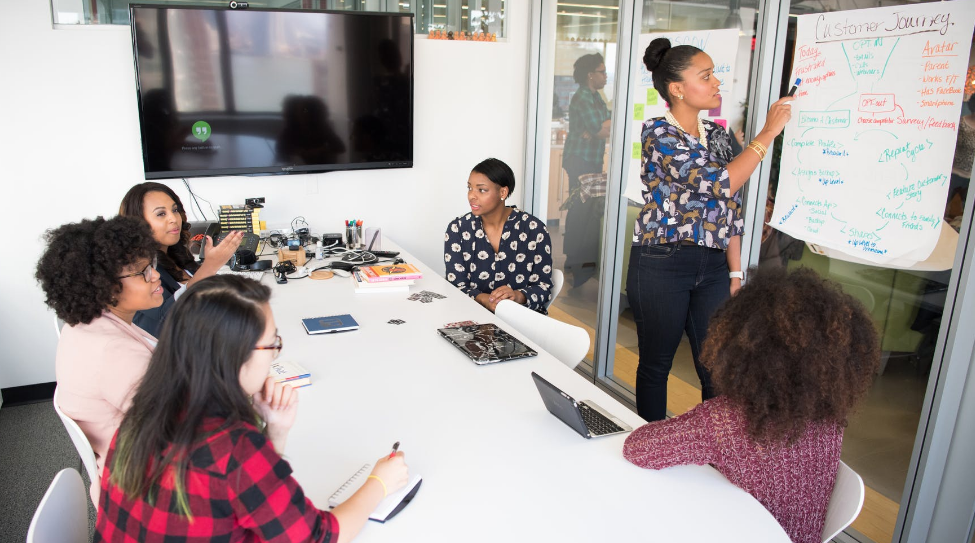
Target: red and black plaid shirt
{"type": "Point", "coordinates": [239, 490]}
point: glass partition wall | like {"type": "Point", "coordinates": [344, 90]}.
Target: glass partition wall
{"type": "Point", "coordinates": [591, 211]}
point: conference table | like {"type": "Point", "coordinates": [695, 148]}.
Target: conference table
{"type": "Point", "coordinates": [496, 465]}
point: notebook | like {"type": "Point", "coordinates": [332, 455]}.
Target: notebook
{"type": "Point", "coordinates": [486, 343]}
{"type": "Point", "coordinates": [585, 417]}
{"type": "Point", "coordinates": [328, 325]}
{"type": "Point", "coordinates": [292, 373]}
{"type": "Point", "coordinates": [389, 507]}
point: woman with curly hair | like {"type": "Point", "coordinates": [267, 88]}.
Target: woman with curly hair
{"type": "Point", "coordinates": [790, 355]}
{"type": "Point", "coordinates": [96, 274]}
{"type": "Point", "coordinates": [162, 210]}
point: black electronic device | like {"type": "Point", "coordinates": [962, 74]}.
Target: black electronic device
{"type": "Point", "coordinates": [385, 254]}
{"type": "Point", "coordinates": [220, 91]}
{"type": "Point", "coordinates": [250, 242]}
{"type": "Point", "coordinates": [331, 240]}
{"type": "Point", "coordinates": [254, 202]}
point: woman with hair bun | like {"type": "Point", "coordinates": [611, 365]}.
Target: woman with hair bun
{"type": "Point", "coordinates": [687, 256]}
{"type": "Point", "coordinates": [791, 356]}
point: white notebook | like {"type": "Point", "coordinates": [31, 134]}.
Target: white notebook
{"type": "Point", "coordinates": [391, 504]}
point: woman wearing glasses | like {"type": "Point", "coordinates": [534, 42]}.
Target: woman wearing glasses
{"type": "Point", "coordinates": [198, 456]}
{"type": "Point", "coordinates": [162, 210]}
{"type": "Point", "coordinates": [96, 274]}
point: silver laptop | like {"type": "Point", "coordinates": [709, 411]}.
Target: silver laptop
{"type": "Point", "coordinates": [585, 417]}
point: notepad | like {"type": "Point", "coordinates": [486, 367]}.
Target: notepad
{"type": "Point", "coordinates": [389, 507]}
{"type": "Point", "coordinates": [326, 325]}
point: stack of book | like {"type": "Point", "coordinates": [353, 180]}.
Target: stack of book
{"type": "Point", "coordinates": [385, 278]}
{"type": "Point", "coordinates": [241, 218]}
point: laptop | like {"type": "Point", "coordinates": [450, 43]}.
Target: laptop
{"type": "Point", "coordinates": [585, 417]}
{"type": "Point", "coordinates": [486, 343]}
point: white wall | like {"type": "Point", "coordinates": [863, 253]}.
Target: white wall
{"type": "Point", "coordinates": [69, 148]}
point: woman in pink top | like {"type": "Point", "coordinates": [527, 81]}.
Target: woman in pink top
{"type": "Point", "coordinates": [790, 356]}
{"type": "Point", "coordinates": [96, 274]}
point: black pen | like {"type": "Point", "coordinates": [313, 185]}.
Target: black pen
{"type": "Point", "coordinates": [395, 448]}
{"type": "Point", "coordinates": [795, 86]}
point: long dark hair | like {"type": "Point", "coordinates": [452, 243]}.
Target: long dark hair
{"type": "Point", "coordinates": [791, 348]}
{"type": "Point", "coordinates": [194, 373]}
{"type": "Point", "coordinates": [666, 64]}
{"type": "Point", "coordinates": [177, 257]}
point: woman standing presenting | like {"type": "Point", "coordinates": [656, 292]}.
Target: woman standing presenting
{"type": "Point", "coordinates": [687, 259]}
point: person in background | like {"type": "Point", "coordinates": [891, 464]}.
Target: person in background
{"type": "Point", "coordinates": [790, 355]}
{"type": "Point", "coordinates": [96, 274]}
{"type": "Point", "coordinates": [497, 252]}
{"type": "Point", "coordinates": [585, 146]}
{"type": "Point", "coordinates": [686, 259]}
{"type": "Point", "coordinates": [161, 209]}
{"type": "Point", "coordinates": [198, 456]}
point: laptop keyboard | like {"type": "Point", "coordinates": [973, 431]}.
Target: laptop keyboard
{"type": "Point", "coordinates": [598, 424]}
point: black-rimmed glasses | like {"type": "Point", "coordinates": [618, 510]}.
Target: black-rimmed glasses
{"type": "Point", "coordinates": [146, 273]}
{"type": "Point", "coordinates": [276, 346]}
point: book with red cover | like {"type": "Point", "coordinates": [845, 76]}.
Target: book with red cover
{"type": "Point", "coordinates": [390, 272]}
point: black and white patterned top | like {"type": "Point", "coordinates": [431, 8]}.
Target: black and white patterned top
{"type": "Point", "coordinates": [523, 260]}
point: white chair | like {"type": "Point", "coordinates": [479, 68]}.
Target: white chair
{"type": "Point", "coordinates": [80, 441]}
{"type": "Point", "coordinates": [558, 279]}
{"type": "Point", "coordinates": [62, 515]}
{"type": "Point", "coordinates": [565, 342]}
{"type": "Point", "coordinates": [58, 325]}
{"type": "Point", "coordinates": [845, 502]}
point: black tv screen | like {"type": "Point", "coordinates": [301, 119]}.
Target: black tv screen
{"type": "Point", "coordinates": [250, 91]}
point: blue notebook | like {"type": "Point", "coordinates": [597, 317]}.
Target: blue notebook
{"type": "Point", "coordinates": [328, 325]}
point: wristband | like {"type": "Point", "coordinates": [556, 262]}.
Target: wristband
{"type": "Point", "coordinates": [736, 275]}
{"type": "Point", "coordinates": [376, 477]}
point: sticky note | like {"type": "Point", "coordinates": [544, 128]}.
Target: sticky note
{"type": "Point", "coordinates": [637, 112]}
{"type": "Point", "coordinates": [637, 150]}
{"type": "Point", "coordinates": [651, 97]}
{"type": "Point", "coordinates": [722, 122]}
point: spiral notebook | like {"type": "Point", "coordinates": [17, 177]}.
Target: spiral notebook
{"type": "Point", "coordinates": [389, 507]}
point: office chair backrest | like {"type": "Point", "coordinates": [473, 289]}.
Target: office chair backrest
{"type": "Point", "coordinates": [80, 441]}
{"type": "Point", "coordinates": [564, 341]}
{"type": "Point", "coordinates": [845, 502]}
{"type": "Point", "coordinates": [558, 278]}
{"type": "Point", "coordinates": [62, 515]}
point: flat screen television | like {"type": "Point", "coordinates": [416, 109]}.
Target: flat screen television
{"type": "Point", "coordinates": [251, 91]}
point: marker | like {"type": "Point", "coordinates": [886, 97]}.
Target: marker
{"type": "Point", "coordinates": [395, 448]}
{"type": "Point", "coordinates": [795, 86]}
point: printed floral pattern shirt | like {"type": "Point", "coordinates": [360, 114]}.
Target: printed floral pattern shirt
{"type": "Point", "coordinates": [523, 260]}
{"type": "Point", "coordinates": [687, 192]}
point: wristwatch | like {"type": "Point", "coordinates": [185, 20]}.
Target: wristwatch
{"type": "Point", "coordinates": [737, 275]}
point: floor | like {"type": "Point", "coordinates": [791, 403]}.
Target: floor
{"type": "Point", "coordinates": [878, 441]}
{"type": "Point", "coordinates": [35, 448]}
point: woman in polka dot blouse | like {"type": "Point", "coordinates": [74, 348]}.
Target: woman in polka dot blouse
{"type": "Point", "coordinates": [497, 252]}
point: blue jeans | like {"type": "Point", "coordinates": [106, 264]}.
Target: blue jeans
{"type": "Point", "coordinates": [673, 289]}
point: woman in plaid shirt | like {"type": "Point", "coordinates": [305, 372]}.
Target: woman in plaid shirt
{"type": "Point", "coordinates": [198, 455]}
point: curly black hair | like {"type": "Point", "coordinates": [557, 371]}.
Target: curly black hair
{"type": "Point", "coordinates": [791, 348]}
{"type": "Point", "coordinates": [79, 269]}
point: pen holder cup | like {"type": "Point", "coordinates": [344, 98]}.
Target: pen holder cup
{"type": "Point", "coordinates": [351, 242]}
{"type": "Point", "coordinates": [359, 240]}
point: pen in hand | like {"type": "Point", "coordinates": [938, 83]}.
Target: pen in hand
{"type": "Point", "coordinates": [393, 452]}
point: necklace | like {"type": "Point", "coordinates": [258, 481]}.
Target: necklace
{"type": "Point", "coordinates": [702, 134]}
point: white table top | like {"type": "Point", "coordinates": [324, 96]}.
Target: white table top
{"type": "Point", "coordinates": [496, 465]}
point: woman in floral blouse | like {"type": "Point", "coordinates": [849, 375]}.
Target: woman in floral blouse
{"type": "Point", "coordinates": [497, 252]}
{"type": "Point", "coordinates": [687, 256]}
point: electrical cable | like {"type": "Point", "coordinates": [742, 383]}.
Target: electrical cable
{"type": "Point", "coordinates": [202, 214]}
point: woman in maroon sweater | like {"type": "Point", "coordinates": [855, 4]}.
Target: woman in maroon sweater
{"type": "Point", "coordinates": [790, 356]}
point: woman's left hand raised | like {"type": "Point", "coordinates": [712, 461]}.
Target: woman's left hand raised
{"type": "Point", "coordinates": [277, 404]}
{"type": "Point", "coordinates": [505, 292]}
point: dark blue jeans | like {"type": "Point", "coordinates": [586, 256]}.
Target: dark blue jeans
{"type": "Point", "coordinates": [673, 289]}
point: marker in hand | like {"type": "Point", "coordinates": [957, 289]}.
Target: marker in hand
{"type": "Point", "coordinates": [395, 448]}
{"type": "Point", "coordinates": [795, 86]}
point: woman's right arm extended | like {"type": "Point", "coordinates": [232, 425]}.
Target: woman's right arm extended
{"type": "Point", "coordinates": [353, 513]}
{"type": "Point", "coordinates": [742, 167]}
